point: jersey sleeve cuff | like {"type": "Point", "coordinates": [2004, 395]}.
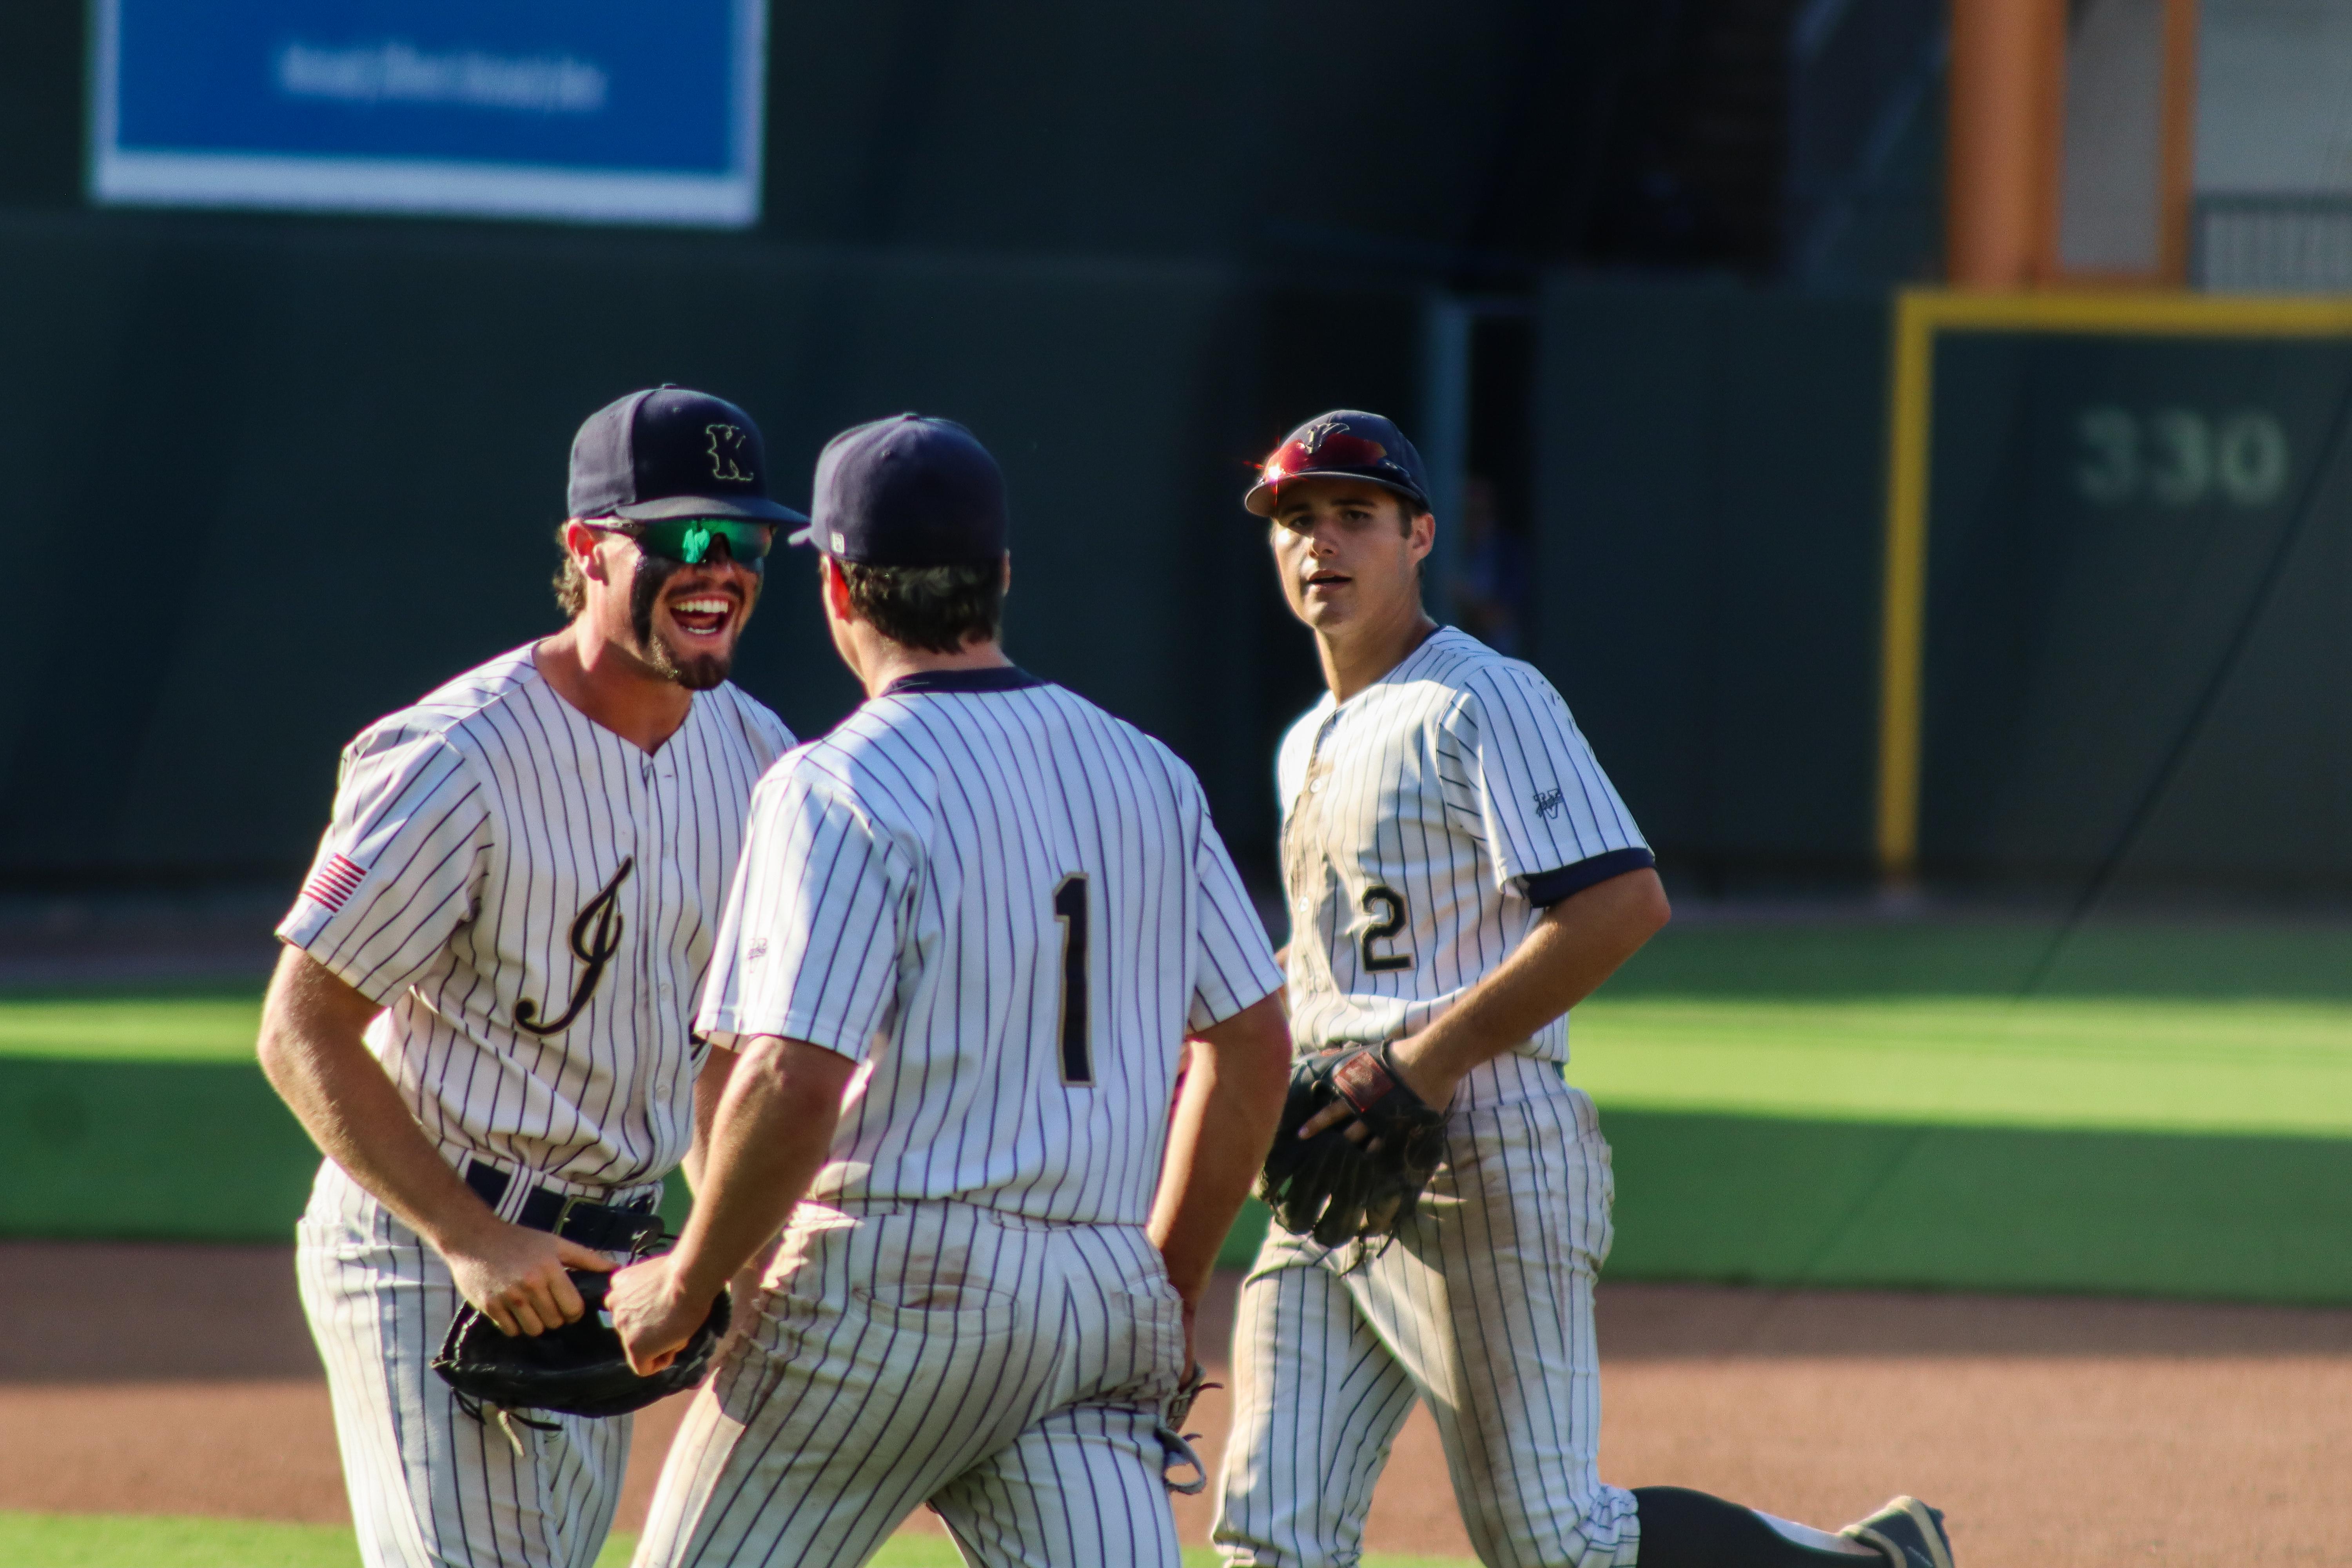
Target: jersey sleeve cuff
{"type": "Point", "coordinates": [311, 936]}
{"type": "Point", "coordinates": [1209, 1017]}
{"type": "Point", "coordinates": [1546, 888]}
{"type": "Point", "coordinates": [729, 1028]}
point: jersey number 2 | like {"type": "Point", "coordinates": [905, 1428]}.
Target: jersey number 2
{"type": "Point", "coordinates": [1077, 1051]}
{"type": "Point", "coordinates": [1390, 904]}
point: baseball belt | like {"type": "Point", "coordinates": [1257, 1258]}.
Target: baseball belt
{"type": "Point", "coordinates": [601, 1228]}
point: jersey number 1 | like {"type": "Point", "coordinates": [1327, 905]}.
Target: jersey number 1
{"type": "Point", "coordinates": [1077, 1051]}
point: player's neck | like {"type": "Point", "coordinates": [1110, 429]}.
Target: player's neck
{"type": "Point", "coordinates": [1356, 656]}
{"type": "Point", "coordinates": [877, 661]}
{"type": "Point", "coordinates": [613, 689]}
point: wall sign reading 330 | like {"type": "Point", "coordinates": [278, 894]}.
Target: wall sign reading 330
{"type": "Point", "coordinates": [2178, 457]}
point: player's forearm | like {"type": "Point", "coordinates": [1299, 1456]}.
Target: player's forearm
{"type": "Point", "coordinates": [313, 1052]}
{"type": "Point", "coordinates": [710, 1089]}
{"type": "Point", "coordinates": [1224, 1120]}
{"type": "Point", "coordinates": [769, 1136]}
{"type": "Point", "coordinates": [1578, 943]}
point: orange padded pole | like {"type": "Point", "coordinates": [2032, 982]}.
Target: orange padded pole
{"type": "Point", "coordinates": [2179, 136]}
{"type": "Point", "coordinates": [2008, 94]}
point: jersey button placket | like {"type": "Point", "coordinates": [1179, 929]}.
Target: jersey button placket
{"type": "Point", "coordinates": [650, 900]}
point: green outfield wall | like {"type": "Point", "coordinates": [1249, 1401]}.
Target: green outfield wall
{"type": "Point", "coordinates": [1708, 530]}
{"type": "Point", "coordinates": [197, 1151]}
{"type": "Point", "coordinates": [1709, 465]}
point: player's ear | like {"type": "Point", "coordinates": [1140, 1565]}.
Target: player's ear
{"type": "Point", "coordinates": [834, 589]}
{"type": "Point", "coordinates": [582, 540]}
{"type": "Point", "coordinates": [1421, 535]}
{"type": "Point", "coordinates": [1004, 582]}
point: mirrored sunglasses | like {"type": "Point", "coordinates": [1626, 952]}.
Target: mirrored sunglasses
{"type": "Point", "coordinates": [688, 539]}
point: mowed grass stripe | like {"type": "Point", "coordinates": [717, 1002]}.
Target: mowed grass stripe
{"type": "Point", "coordinates": [2168, 1066]}
{"type": "Point", "coordinates": [2220, 1065]}
{"type": "Point", "coordinates": [142, 1541]}
{"type": "Point", "coordinates": [208, 1027]}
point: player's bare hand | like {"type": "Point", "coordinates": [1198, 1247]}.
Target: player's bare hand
{"type": "Point", "coordinates": [517, 1277]}
{"type": "Point", "coordinates": [653, 1314]}
{"type": "Point", "coordinates": [1418, 1078]}
{"type": "Point", "coordinates": [1330, 1116]}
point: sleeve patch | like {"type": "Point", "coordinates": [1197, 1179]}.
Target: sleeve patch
{"type": "Point", "coordinates": [331, 886]}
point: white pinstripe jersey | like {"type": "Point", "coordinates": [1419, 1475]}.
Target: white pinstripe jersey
{"type": "Point", "coordinates": [1426, 822]}
{"type": "Point", "coordinates": [532, 899]}
{"type": "Point", "coordinates": [1009, 906]}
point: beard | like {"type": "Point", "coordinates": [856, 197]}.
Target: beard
{"type": "Point", "coordinates": [694, 671]}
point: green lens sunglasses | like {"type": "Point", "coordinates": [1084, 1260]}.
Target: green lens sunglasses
{"type": "Point", "coordinates": [689, 538]}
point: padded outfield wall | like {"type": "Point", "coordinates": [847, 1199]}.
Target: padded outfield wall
{"type": "Point", "coordinates": [318, 466]}
{"type": "Point", "coordinates": [2073, 609]}
{"type": "Point", "coordinates": [311, 472]}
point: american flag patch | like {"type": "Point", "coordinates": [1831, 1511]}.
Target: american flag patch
{"type": "Point", "coordinates": [334, 883]}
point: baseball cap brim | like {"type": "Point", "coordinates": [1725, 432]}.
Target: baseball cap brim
{"type": "Point", "coordinates": [752, 509]}
{"type": "Point", "coordinates": [1263, 496]}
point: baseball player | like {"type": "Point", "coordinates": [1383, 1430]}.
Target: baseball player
{"type": "Point", "coordinates": [1459, 873]}
{"type": "Point", "coordinates": [480, 1013]}
{"type": "Point", "coordinates": [971, 929]}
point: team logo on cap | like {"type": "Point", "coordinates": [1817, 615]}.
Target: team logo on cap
{"type": "Point", "coordinates": [726, 445]}
{"type": "Point", "coordinates": [1325, 445]}
{"type": "Point", "coordinates": [1311, 440]}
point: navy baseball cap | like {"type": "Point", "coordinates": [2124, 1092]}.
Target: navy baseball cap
{"type": "Point", "coordinates": [907, 492]}
{"type": "Point", "coordinates": [668, 452]}
{"type": "Point", "coordinates": [1344, 443]}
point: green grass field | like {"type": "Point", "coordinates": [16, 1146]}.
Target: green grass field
{"type": "Point", "coordinates": [215, 1026]}
{"type": "Point", "coordinates": [2221, 1028]}
{"type": "Point", "coordinates": [2177, 1066]}
{"type": "Point", "coordinates": [132, 1540]}
{"type": "Point", "coordinates": [1834, 1104]}
{"type": "Point", "coordinates": [2168, 1112]}
{"type": "Point", "coordinates": [2231, 1027]}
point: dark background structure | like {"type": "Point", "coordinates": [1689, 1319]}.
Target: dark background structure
{"type": "Point", "coordinates": [1129, 246]}
{"type": "Point", "coordinates": [272, 476]}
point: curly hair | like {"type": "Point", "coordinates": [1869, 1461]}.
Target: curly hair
{"type": "Point", "coordinates": [940, 608]}
{"type": "Point", "coordinates": [570, 586]}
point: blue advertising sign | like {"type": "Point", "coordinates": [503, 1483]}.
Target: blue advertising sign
{"type": "Point", "coordinates": [596, 110]}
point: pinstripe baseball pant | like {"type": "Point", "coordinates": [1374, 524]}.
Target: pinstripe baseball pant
{"type": "Point", "coordinates": [1482, 1309]}
{"type": "Point", "coordinates": [431, 1485]}
{"type": "Point", "coordinates": [1011, 1371]}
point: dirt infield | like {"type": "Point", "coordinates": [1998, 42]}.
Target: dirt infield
{"type": "Point", "coordinates": [2057, 1433]}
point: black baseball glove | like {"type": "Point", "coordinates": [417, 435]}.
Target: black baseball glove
{"type": "Point", "coordinates": [578, 1369]}
{"type": "Point", "coordinates": [1331, 1186]}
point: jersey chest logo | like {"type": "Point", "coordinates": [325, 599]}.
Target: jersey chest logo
{"type": "Point", "coordinates": [596, 938]}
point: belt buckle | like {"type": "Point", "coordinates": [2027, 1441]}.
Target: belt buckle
{"type": "Point", "coordinates": [572, 1201]}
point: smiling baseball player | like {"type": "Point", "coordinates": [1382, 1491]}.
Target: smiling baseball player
{"type": "Point", "coordinates": [972, 928]}
{"type": "Point", "coordinates": [480, 1013]}
{"type": "Point", "coordinates": [1459, 873]}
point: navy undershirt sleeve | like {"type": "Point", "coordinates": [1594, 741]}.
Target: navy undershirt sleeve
{"type": "Point", "coordinates": [1546, 888]}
